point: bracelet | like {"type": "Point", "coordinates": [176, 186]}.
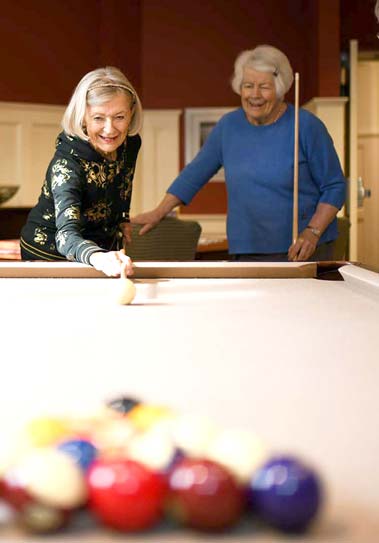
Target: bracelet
{"type": "Point", "coordinates": [315, 231]}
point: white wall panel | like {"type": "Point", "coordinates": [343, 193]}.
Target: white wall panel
{"type": "Point", "coordinates": [10, 152]}
{"type": "Point", "coordinates": [158, 162]}
{"type": "Point", "coordinates": [27, 137]}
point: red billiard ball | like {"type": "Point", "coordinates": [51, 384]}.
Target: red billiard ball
{"type": "Point", "coordinates": [204, 495]}
{"type": "Point", "coordinates": [13, 490]}
{"type": "Point", "coordinates": [125, 495]}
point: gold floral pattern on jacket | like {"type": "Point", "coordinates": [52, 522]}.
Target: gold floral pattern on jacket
{"type": "Point", "coordinates": [48, 215]}
{"type": "Point", "coordinates": [61, 239]}
{"type": "Point", "coordinates": [100, 211]}
{"type": "Point", "coordinates": [60, 173]}
{"type": "Point", "coordinates": [95, 173]}
{"type": "Point", "coordinates": [45, 189]}
{"type": "Point", "coordinates": [72, 212]}
{"type": "Point", "coordinates": [40, 235]}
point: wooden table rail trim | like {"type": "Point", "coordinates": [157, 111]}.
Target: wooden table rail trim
{"type": "Point", "coordinates": [152, 270]}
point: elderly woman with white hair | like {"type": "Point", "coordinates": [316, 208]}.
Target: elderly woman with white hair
{"type": "Point", "coordinates": [83, 210]}
{"type": "Point", "coordinates": [255, 145]}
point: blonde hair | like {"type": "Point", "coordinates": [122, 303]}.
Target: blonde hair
{"type": "Point", "coordinates": [96, 88]}
{"type": "Point", "coordinates": [264, 58]}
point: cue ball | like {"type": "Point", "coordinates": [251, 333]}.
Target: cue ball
{"type": "Point", "coordinates": [127, 291]}
{"type": "Point", "coordinates": [52, 478]}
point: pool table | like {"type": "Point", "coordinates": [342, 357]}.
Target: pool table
{"type": "Point", "coordinates": [295, 359]}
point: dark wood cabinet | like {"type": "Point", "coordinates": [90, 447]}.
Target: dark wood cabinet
{"type": "Point", "coordinates": [12, 220]}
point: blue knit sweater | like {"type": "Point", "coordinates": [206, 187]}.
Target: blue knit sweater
{"type": "Point", "coordinates": [258, 163]}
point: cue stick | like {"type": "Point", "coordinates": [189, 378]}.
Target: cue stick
{"type": "Point", "coordinates": [295, 221]}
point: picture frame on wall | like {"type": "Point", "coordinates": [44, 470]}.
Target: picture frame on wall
{"type": "Point", "coordinates": [198, 123]}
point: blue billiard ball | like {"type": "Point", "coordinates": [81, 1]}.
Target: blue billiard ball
{"type": "Point", "coordinates": [83, 452]}
{"type": "Point", "coordinates": [286, 493]}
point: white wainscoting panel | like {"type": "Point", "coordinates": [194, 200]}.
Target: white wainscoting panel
{"type": "Point", "coordinates": [158, 161]}
{"type": "Point", "coordinates": [27, 140]}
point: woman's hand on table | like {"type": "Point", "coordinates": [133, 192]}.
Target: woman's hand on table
{"type": "Point", "coordinates": [304, 247]}
{"type": "Point", "coordinates": [149, 220]}
{"type": "Point", "coordinates": [112, 263]}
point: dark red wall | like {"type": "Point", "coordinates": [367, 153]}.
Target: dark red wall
{"type": "Point", "coordinates": [359, 22]}
{"type": "Point", "coordinates": [189, 48]}
{"type": "Point", "coordinates": [47, 46]}
{"type": "Point", "coordinates": [178, 54]}
{"type": "Point", "coordinates": [322, 70]}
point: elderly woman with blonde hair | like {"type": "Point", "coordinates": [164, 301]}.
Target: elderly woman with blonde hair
{"type": "Point", "coordinates": [255, 145]}
{"type": "Point", "coordinates": [83, 210]}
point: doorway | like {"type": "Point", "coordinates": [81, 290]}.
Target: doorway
{"type": "Point", "coordinates": [368, 158]}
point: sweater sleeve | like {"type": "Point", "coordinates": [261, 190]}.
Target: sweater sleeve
{"type": "Point", "coordinates": [201, 169]}
{"type": "Point", "coordinates": [67, 190]}
{"type": "Point", "coordinates": [323, 161]}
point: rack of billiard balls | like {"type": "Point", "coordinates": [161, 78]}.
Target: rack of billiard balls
{"type": "Point", "coordinates": [133, 465]}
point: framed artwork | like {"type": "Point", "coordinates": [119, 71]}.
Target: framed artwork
{"type": "Point", "coordinates": [198, 123]}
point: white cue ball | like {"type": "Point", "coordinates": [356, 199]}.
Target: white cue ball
{"type": "Point", "coordinates": [53, 478]}
{"type": "Point", "coordinates": [153, 449]}
{"type": "Point", "coordinates": [240, 451]}
{"type": "Point", "coordinates": [127, 291]}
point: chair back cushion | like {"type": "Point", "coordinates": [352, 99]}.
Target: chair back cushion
{"type": "Point", "coordinates": [172, 239]}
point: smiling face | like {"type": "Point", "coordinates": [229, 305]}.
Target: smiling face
{"type": "Point", "coordinates": [107, 124]}
{"type": "Point", "coordinates": [258, 97]}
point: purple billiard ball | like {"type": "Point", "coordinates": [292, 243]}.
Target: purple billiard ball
{"type": "Point", "coordinates": [286, 493]}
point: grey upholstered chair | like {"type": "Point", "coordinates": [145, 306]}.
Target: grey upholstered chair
{"type": "Point", "coordinates": [172, 239]}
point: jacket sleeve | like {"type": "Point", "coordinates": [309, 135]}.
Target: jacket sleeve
{"type": "Point", "coordinates": [67, 190]}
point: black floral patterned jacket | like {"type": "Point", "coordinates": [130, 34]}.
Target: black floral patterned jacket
{"type": "Point", "coordinates": [83, 201]}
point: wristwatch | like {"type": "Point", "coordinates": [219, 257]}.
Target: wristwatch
{"type": "Point", "coordinates": [314, 230]}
